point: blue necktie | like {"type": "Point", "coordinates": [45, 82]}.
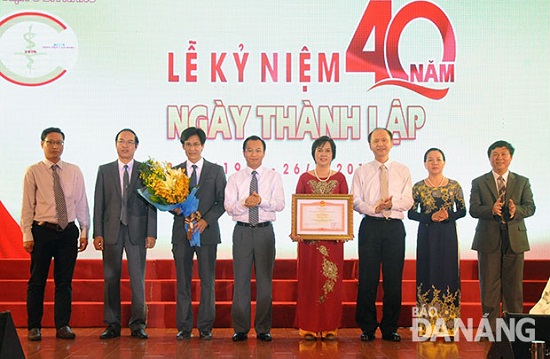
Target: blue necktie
{"type": "Point", "coordinates": [193, 179]}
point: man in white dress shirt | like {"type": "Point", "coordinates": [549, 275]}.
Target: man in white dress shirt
{"type": "Point", "coordinates": [252, 197]}
{"type": "Point", "coordinates": [381, 235]}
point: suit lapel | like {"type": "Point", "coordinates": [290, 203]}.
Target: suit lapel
{"type": "Point", "coordinates": [135, 174]}
{"type": "Point", "coordinates": [204, 171]}
{"type": "Point", "coordinates": [510, 185]}
{"type": "Point", "coordinates": [491, 184]}
{"type": "Point", "coordinates": [183, 166]}
{"type": "Point", "coordinates": [115, 176]}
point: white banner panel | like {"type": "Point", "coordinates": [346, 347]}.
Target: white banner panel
{"type": "Point", "coordinates": [457, 75]}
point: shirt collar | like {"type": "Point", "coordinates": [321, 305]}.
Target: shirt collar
{"type": "Point", "coordinates": [387, 163]}
{"type": "Point", "coordinates": [258, 170]}
{"type": "Point", "coordinates": [199, 163]}
{"type": "Point", "coordinates": [504, 176]}
{"type": "Point", "coordinates": [49, 163]}
{"type": "Point", "coordinates": [121, 165]}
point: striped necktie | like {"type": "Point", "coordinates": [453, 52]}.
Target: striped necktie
{"type": "Point", "coordinates": [501, 188]}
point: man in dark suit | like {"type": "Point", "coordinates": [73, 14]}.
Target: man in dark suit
{"type": "Point", "coordinates": [210, 180]}
{"type": "Point", "coordinates": [123, 220]}
{"type": "Point", "coordinates": [501, 200]}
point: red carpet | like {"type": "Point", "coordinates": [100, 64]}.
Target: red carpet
{"type": "Point", "coordinates": [160, 289]}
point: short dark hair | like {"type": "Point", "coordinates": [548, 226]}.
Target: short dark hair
{"type": "Point", "coordinates": [320, 142]}
{"type": "Point", "coordinates": [127, 130]}
{"type": "Point", "coordinates": [253, 138]}
{"type": "Point", "coordinates": [433, 149]}
{"type": "Point", "coordinates": [192, 131]}
{"type": "Point", "coordinates": [49, 130]}
{"type": "Point", "coordinates": [501, 143]}
{"type": "Point", "coordinates": [380, 128]}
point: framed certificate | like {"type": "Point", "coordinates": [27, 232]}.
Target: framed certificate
{"type": "Point", "coordinates": [322, 217]}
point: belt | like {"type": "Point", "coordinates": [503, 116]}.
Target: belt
{"type": "Point", "coordinates": [259, 225]}
{"type": "Point", "coordinates": [382, 219]}
{"type": "Point", "coordinates": [52, 226]}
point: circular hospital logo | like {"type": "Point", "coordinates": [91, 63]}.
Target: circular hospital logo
{"type": "Point", "coordinates": [35, 48]}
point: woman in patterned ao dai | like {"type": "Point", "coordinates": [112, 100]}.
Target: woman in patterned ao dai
{"type": "Point", "coordinates": [320, 263]}
{"type": "Point", "coordinates": [438, 203]}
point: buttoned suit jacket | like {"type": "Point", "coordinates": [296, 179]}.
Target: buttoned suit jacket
{"type": "Point", "coordinates": [211, 194]}
{"type": "Point", "coordinates": [142, 217]}
{"type": "Point", "coordinates": [483, 195]}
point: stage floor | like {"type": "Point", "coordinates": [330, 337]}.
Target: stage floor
{"type": "Point", "coordinates": [286, 343]}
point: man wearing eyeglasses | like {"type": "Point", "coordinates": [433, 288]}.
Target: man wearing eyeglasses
{"type": "Point", "coordinates": [123, 221]}
{"type": "Point", "coordinates": [54, 197]}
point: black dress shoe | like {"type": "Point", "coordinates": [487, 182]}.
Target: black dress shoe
{"type": "Point", "coordinates": [65, 332]}
{"type": "Point", "coordinates": [204, 335]}
{"type": "Point", "coordinates": [367, 337]}
{"type": "Point", "coordinates": [109, 333]}
{"type": "Point", "coordinates": [392, 337]}
{"type": "Point", "coordinates": [266, 337]}
{"type": "Point", "coordinates": [139, 333]}
{"type": "Point", "coordinates": [183, 335]}
{"type": "Point", "coordinates": [34, 335]}
{"type": "Point", "coordinates": [239, 337]}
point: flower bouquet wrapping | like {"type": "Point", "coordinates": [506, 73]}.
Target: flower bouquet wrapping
{"type": "Point", "coordinates": [167, 189]}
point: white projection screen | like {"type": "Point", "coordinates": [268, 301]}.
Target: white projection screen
{"type": "Point", "coordinates": [457, 75]}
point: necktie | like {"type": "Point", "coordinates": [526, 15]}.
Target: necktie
{"type": "Point", "coordinates": [384, 187]}
{"type": "Point", "coordinates": [123, 208]}
{"type": "Point", "coordinates": [501, 194]}
{"type": "Point", "coordinates": [501, 188]}
{"type": "Point", "coordinates": [60, 205]}
{"type": "Point", "coordinates": [253, 215]}
{"type": "Point", "coordinates": [193, 179]}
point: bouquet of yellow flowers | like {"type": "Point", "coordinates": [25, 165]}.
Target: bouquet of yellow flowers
{"type": "Point", "coordinates": [167, 189]}
{"type": "Point", "coordinates": [165, 185]}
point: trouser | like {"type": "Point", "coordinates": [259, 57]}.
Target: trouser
{"type": "Point", "coordinates": [112, 269]}
{"type": "Point", "coordinates": [63, 248]}
{"type": "Point", "coordinates": [381, 242]}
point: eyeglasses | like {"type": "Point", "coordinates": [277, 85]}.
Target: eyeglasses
{"type": "Point", "coordinates": [123, 142]}
{"type": "Point", "coordinates": [54, 143]}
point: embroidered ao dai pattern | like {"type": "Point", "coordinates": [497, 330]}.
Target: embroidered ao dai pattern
{"type": "Point", "coordinates": [437, 254]}
{"type": "Point", "coordinates": [320, 265]}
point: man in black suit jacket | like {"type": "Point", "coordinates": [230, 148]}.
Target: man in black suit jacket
{"type": "Point", "coordinates": [123, 220]}
{"type": "Point", "coordinates": [501, 200]}
{"type": "Point", "coordinates": [210, 179]}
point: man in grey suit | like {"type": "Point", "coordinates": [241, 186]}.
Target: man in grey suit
{"type": "Point", "coordinates": [123, 220]}
{"type": "Point", "coordinates": [210, 180]}
{"type": "Point", "coordinates": [501, 200]}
